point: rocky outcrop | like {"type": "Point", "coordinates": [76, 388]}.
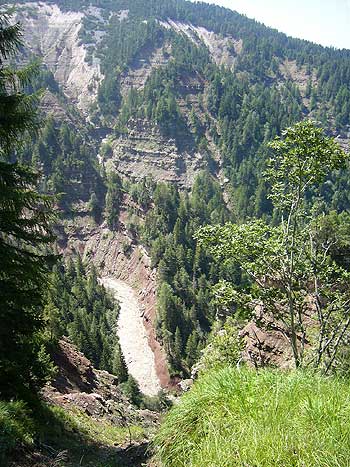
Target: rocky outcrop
{"type": "Point", "coordinates": [78, 385]}
{"type": "Point", "coordinates": [144, 152]}
{"type": "Point", "coordinates": [223, 49]}
{"type": "Point", "coordinates": [86, 393]}
{"type": "Point", "coordinates": [53, 35]}
{"type": "Point", "coordinates": [139, 71]}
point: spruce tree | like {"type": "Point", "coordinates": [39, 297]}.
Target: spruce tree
{"type": "Point", "coordinates": [25, 233]}
{"type": "Point", "coordinates": [114, 198]}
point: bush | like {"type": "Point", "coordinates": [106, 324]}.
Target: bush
{"type": "Point", "coordinates": [235, 418]}
{"type": "Point", "coordinates": [158, 403]}
{"type": "Point", "coordinates": [16, 428]}
{"type": "Point", "coordinates": [131, 390]}
{"type": "Point", "coordinates": [224, 349]}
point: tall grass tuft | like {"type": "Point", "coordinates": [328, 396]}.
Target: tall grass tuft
{"type": "Point", "coordinates": [243, 418]}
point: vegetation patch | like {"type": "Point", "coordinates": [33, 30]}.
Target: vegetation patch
{"type": "Point", "coordinates": [16, 427]}
{"type": "Point", "coordinates": [263, 419]}
{"type": "Point", "coordinates": [60, 437]}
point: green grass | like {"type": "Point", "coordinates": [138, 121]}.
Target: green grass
{"type": "Point", "coordinates": [16, 428]}
{"type": "Point", "coordinates": [50, 430]}
{"type": "Point", "coordinates": [268, 419]}
{"type": "Point", "coordinates": [76, 422]}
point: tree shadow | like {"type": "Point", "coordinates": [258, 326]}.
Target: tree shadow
{"type": "Point", "coordinates": [60, 443]}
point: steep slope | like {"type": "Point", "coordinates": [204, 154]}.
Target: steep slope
{"type": "Point", "coordinates": [223, 49]}
{"type": "Point", "coordinates": [100, 54]}
{"type": "Point", "coordinates": [53, 35]}
{"type": "Point", "coordinates": [171, 89]}
{"type": "Point", "coordinates": [84, 419]}
{"type": "Point", "coordinates": [119, 261]}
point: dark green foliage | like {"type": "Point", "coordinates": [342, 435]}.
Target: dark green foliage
{"type": "Point", "coordinates": [125, 41]}
{"type": "Point", "coordinates": [185, 310]}
{"type": "Point", "coordinates": [25, 233]}
{"type": "Point", "coordinates": [335, 228]}
{"type": "Point", "coordinates": [16, 428]}
{"type": "Point", "coordinates": [114, 198]}
{"type": "Point", "coordinates": [18, 116]}
{"type": "Point", "coordinates": [68, 163]}
{"type": "Point", "coordinates": [109, 97]}
{"type": "Point", "coordinates": [94, 207]}
{"type": "Point", "coordinates": [78, 306]}
{"type": "Point", "coordinates": [44, 79]}
{"type": "Point", "coordinates": [158, 403]}
{"type": "Point", "coordinates": [131, 389]}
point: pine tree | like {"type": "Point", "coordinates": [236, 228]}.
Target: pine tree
{"type": "Point", "coordinates": [94, 207]}
{"type": "Point", "coordinates": [118, 365]}
{"type": "Point", "coordinates": [192, 353]}
{"type": "Point", "coordinates": [53, 321]}
{"type": "Point", "coordinates": [131, 390]}
{"type": "Point", "coordinates": [178, 345]}
{"type": "Point", "coordinates": [114, 198]}
{"type": "Point", "coordinates": [25, 232]}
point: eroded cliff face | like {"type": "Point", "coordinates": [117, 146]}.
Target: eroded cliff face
{"type": "Point", "coordinates": [53, 36]}
{"type": "Point", "coordinates": [141, 68]}
{"type": "Point", "coordinates": [56, 37]}
{"type": "Point", "coordinates": [223, 49]}
{"type": "Point", "coordinates": [117, 256]}
{"type": "Point", "coordinates": [144, 152]}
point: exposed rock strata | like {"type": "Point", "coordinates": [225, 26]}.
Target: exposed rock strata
{"type": "Point", "coordinates": [142, 67]}
{"type": "Point", "coordinates": [53, 35]}
{"type": "Point", "coordinates": [144, 152]}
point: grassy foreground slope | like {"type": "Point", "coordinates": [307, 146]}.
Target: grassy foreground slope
{"type": "Point", "coordinates": [258, 419]}
{"type": "Point", "coordinates": [50, 436]}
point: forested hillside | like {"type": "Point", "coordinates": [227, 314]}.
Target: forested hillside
{"type": "Point", "coordinates": [172, 105]}
{"type": "Point", "coordinates": [201, 159]}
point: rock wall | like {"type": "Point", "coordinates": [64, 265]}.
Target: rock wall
{"type": "Point", "coordinates": [53, 35]}
{"type": "Point", "coordinates": [144, 151]}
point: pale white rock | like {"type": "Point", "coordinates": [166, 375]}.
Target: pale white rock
{"type": "Point", "coordinates": [53, 35]}
{"type": "Point", "coordinates": [223, 49]}
{"type": "Point", "coordinates": [96, 12]}
{"type": "Point", "coordinates": [133, 337]}
{"type": "Point", "coordinates": [123, 15]}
